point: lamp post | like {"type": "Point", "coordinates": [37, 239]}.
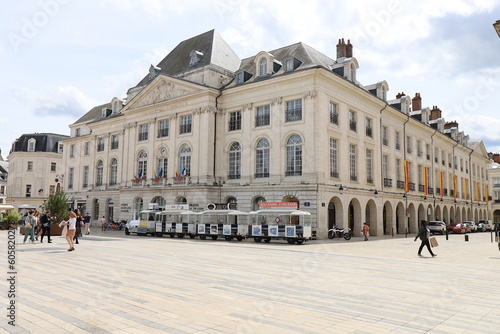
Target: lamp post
{"type": "Point", "coordinates": [496, 25]}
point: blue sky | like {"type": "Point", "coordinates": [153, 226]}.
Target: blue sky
{"type": "Point", "coordinates": [59, 58]}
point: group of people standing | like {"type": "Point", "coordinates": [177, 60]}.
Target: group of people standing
{"type": "Point", "coordinates": [36, 226]}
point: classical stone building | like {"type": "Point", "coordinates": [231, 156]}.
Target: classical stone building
{"type": "Point", "coordinates": [35, 169]}
{"type": "Point", "coordinates": [291, 124]}
{"type": "Point", "coordinates": [4, 172]}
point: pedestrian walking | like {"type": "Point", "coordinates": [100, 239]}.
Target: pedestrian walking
{"type": "Point", "coordinates": [29, 224]}
{"type": "Point", "coordinates": [45, 222]}
{"type": "Point", "coordinates": [103, 223]}
{"type": "Point", "coordinates": [87, 220]}
{"type": "Point", "coordinates": [366, 231]}
{"type": "Point", "coordinates": [424, 234]}
{"type": "Point", "coordinates": [38, 227]}
{"type": "Point", "coordinates": [71, 224]}
{"type": "Point", "coordinates": [78, 226]}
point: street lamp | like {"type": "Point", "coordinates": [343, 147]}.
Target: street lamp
{"type": "Point", "coordinates": [497, 27]}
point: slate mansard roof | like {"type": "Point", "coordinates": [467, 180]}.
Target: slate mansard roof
{"type": "Point", "coordinates": [45, 142]}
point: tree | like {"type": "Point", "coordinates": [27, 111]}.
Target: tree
{"type": "Point", "coordinates": [13, 217]}
{"type": "Point", "coordinates": [57, 204]}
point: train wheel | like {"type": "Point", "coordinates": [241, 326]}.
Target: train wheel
{"type": "Point", "coordinates": [228, 238]}
{"type": "Point", "coordinates": [192, 236]}
{"type": "Point", "coordinates": [257, 239]}
{"type": "Point", "coordinates": [172, 235]}
{"type": "Point", "coordinates": [180, 235]}
{"type": "Point", "coordinates": [239, 238]}
{"type": "Point", "coordinates": [290, 241]}
{"type": "Point", "coordinates": [214, 237]}
{"type": "Point", "coordinates": [203, 237]}
{"type": "Point", "coordinates": [299, 241]}
{"type": "Point", "coordinates": [267, 239]}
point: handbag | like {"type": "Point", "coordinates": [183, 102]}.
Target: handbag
{"type": "Point", "coordinates": [27, 223]}
{"type": "Point", "coordinates": [434, 242]}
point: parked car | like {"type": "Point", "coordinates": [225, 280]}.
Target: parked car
{"type": "Point", "coordinates": [457, 228]}
{"type": "Point", "coordinates": [471, 225]}
{"type": "Point", "coordinates": [486, 225]}
{"type": "Point", "coordinates": [437, 227]}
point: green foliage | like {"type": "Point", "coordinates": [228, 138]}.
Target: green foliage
{"type": "Point", "coordinates": [57, 204]}
{"type": "Point", "coordinates": [13, 217]}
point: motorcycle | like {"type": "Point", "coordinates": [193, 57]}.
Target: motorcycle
{"type": "Point", "coordinates": [339, 233]}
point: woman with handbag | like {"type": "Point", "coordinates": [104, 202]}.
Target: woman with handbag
{"type": "Point", "coordinates": [71, 224]}
{"type": "Point", "coordinates": [29, 224]}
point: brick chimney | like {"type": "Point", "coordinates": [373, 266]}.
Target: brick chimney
{"type": "Point", "coordinates": [496, 158]}
{"type": "Point", "coordinates": [341, 49]}
{"type": "Point", "coordinates": [348, 49]}
{"type": "Point", "coordinates": [452, 124]}
{"type": "Point", "coordinates": [416, 102]}
{"type": "Point", "coordinates": [435, 113]}
{"type": "Point", "coordinates": [400, 95]}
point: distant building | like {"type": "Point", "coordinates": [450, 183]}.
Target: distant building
{"type": "Point", "coordinates": [290, 124]}
{"type": "Point", "coordinates": [4, 172]}
{"type": "Point", "coordinates": [35, 169]}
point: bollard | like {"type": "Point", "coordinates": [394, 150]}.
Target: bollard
{"type": "Point", "coordinates": [466, 237]}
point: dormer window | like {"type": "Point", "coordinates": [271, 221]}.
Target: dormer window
{"type": "Point", "coordinates": [240, 78]}
{"type": "Point", "coordinates": [195, 57]}
{"type": "Point", "coordinates": [105, 112]}
{"type": "Point", "coordinates": [31, 145]}
{"type": "Point", "coordinates": [289, 65]}
{"type": "Point", "coordinates": [263, 67]}
{"type": "Point", "coordinates": [153, 72]}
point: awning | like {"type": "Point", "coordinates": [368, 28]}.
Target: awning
{"type": "Point", "coordinates": [6, 207]}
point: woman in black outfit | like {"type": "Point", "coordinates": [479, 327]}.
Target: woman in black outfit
{"type": "Point", "coordinates": [79, 222]}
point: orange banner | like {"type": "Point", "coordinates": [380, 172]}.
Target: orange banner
{"type": "Point", "coordinates": [407, 176]}
{"type": "Point", "coordinates": [425, 181]}
{"type": "Point", "coordinates": [455, 186]}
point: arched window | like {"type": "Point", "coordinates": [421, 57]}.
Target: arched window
{"type": "Point", "coordinates": [294, 156]}
{"type": "Point", "coordinates": [31, 145]}
{"type": "Point", "coordinates": [160, 201]}
{"type": "Point", "coordinates": [256, 201]}
{"type": "Point", "coordinates": [263, 67]}
{"type": "Point", "coordinates": [184, 161]}
{"type": "Point", "coordinates": [232, 203]}
{"type": "Point", "coordinates": [113, 172]}
{"type": "Point", "coordinates": [262, 158]}
{"type": "Point", "coordinates": [99, 173]}
{"type": "Point", "coordinates": [234, 161]}
{"type": "Point", "coordinates": [180, 200]}
{"type": "Point", "coordinates": [142, 165]}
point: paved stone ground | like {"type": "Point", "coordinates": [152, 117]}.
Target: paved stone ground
{"type": "Point", "coordinates": [118, 284]}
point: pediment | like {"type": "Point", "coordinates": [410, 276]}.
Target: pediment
{"type": "Point", "coordinates": [160, 90]}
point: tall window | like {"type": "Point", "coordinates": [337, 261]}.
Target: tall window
{"type": "Point", "coordinates": [86, 148]}
{"type": "Point", "coordinates": [235, 120]}
{"type": "Point", "coordinates": [408, 145]}
{"type": "Point", "coordinates": [28, 190]}
{"type": "Point", "coordinates": [385, 139]}
{"type": "Point", "coordinates": [99, 173]}
{"type": "Point", "coordinates": [113, 172]}
{"type": "Point", "coordinates": [352, 120]}
{"type": "Point", "coordinates": [293, 111]}
{"type": "Point", "coordinates": [185, 160]}
{"type": "Point", "coordinates": [30, 166]}
{"type": "Point", "coordinates": [352, 163]}
{"type": "Point", "coordinates": [398, 170]}
{"type": "Point", "coordinates": [70, 177]}
{"type": "Point", "coordinates": [419, 148]}
{"type": "Point", "coordinates": [428, 151]}
{"type": "Point", "coordinates": [294, 156]}
{"type": "Point", "coordinates": [31, 145]}
{"type": "Point", "coordinates": [185, 124]}
{"type": "Point", "coordinates": [100, 145]}
{"type": "Point", "coordinates": [262, 116]}
{"type": "Point", "coordinates": [397, 141]}
{"type": "Point", "coordinates": [163, 128]}
{"type": "Point", "coordinates": [369, 129]}
{"type": "Point", "coordinates": [385, 166]}
{"type": "Point", "coordinates": [72, 151]}
{"type": "Point", "coordinates": [142, 164]}
{"type": "Point", "coordinates": [420, 175]}
{"type": "Point", "coordinates": [234, 161]}
{"type": "Point", "coordinates": [369, 166]}
{"type": "Point", "coordinates": [53, 166]}
{"type": "Point", "coordinates": [143, 132]}
{"type": "Point", "coordinates": [334, 159]}
{"type": "Point", "coordinates": [334, 114]}
{"type": "Point", "coordinates": [85, 176]}
{"type": "Point", "coordinates": [161, 168]}
{"type": "Point", "coordinates": [262, 158]}
{"type": "Point", "coordinates": [114, 142]}
{"type": "Point", "coordinates": [77, 132]}
{"type": "Point", "coordinates": [263, 67]}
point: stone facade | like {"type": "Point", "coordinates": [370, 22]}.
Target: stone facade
{"type": "Point", "coordinates": [286, 125]}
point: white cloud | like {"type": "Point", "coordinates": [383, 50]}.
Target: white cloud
{"type": "Point", "coordinates": [55, 101]}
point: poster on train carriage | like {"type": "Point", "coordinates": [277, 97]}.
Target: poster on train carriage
{"type": "Point", "coordinates": [158, 227]}
{"type": "Point", "coordinates": [256, 230]}
{"type": "Point", "coordinates": [290, 231]}
{"type": "Point", "coordinates": [201, 228]}
{"type": "Point", "coordinates": [214, 229]}
{"type": "Point", "coordinates": [168, 227]}
{"type": "Point", "coordinates": [273, 231]}
{"type": "Point", "coordinates": [226, 229]}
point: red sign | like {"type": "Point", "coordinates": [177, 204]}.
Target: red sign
{"type": "Point", "coordinates": [278, 205]}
